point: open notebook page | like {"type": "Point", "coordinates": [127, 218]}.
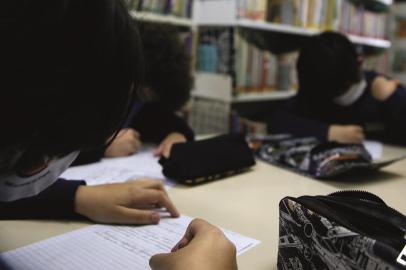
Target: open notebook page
{"type": "Point", "coordinates": [107, 247]}
{"type": "Point", "coordinates": [117, 170]}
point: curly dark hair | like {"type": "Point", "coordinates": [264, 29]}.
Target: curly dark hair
{"type": "Point", "coordinates": [168, 64]}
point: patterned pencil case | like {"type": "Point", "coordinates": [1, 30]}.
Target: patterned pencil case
{"type": "Point", "coordinates": [321, 160]}
{"type": "Point", "coordinates": [344, 230]}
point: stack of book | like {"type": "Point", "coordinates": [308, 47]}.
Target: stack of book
{"type": "Point", "coordinates": [215, 50]}
{"type": "Point", "coordinates": [259, 71]}
{"type": "Point", "coordinates": [254, 70]}
{"type": "Point", "coordinates": [358, 21]}
{"type": "Point", "coordinates": [339, 15]}
{"type": "Point", "coordinates": [179, 8]}
{"type": "Point", "coordinates": [399, 52]}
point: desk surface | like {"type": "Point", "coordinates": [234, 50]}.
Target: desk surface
{"type": "Point", "coordinates": [246, 203]}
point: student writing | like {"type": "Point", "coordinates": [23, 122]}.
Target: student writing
{"type": "Point", "coordinates": [166, 89]}
{"type": "Point", "coordinates": [337, 100]}
{"type": "Point", "coordinates": [57, 57]}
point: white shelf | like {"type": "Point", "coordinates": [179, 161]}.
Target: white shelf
{"type": "Point", "coordinates": [264, 96]}
{"type": "Point", "coordinates": [275, 27]}
{"type": "Point", "coordinates": [219, 87]}
{"type": "Point", "coordinates": [374, 42]}
{"type": "Point", "coordinates": [161, 18]}
{"type": "Point", "coordinates": [295, 30]}
{"type": "Point", "coordinates": [386, 2]}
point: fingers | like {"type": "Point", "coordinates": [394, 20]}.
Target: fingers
{"type": "Point", "coordinates": [150, 184]}
{"type": "Point", "coordinates": [158, 151]}
{"type": "Point", "coordinates": [166, 152]}
{"type": "Point", "coordinates": [142, 197]}
{"type": "Point", "coordinates": [133, 140]}
{"type": "Point", "coordinates": [159, 260]}
{"type": "Point", "coordinates": [125, 215]}
{"type": "Point", "coordinates": [195, 227]}
{"type": "Point", "coordinates": [358, 134]}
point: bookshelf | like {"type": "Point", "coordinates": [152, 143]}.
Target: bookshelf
{"type": "Point", "coordinates": [226, 14]}
{"type": "Point", "coordinates": [160, 18]}
{"type": "Point", "coordinates": [302, 31]}
{"type": "Point", "coordinates": [398, 52]}
{"type": "Point", "coordinates": [215, 94]}
{"type": "Point", "coordinates": [294, 30]}
{"type": "Point", "coordinates": [219, 87]}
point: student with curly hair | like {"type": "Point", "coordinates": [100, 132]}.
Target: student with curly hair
{"type": "Point", "coordinates": [337, 100]}
{"type": "Point", "coordinates": [166, 89]}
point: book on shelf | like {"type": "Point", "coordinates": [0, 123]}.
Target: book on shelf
{"type": "Point", "coordinates": [224, 51]}
{"type": "Point", "coordinates": [339, 15]}
{"type": "Point", "coordinates": [179, 8]}
{"type": "Point", "coordinates": [399, 52]}
{"type": "Point", "coordinates": [260, 71]}
{"type": "Point", "coordinates": [215, 50]}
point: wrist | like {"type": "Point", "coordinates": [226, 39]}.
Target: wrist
{"type": "Point", "coordinates": [81, 196]}
{"type": "Point", "coordinates": [332, 132]}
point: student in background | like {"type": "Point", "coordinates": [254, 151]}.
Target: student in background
{"type": "Point", "coordinates": [63, 63]}
{"type": "Point", "coordinates": [338, 101]}
{"type": "Point", "coordinates": [166, 90]}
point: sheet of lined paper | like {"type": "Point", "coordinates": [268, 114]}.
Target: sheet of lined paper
{"type": "Point", "coordinates": [107, 247]}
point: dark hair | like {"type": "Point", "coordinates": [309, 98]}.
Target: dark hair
{"type": "Point", "coordinates": [68, 71]}
{"type": "Point", "coordinates": [328, 64]}
{"type": "Point", "coordinates": [168, 71]}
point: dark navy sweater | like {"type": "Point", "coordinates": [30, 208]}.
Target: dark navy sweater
{"type": "Point", "coordinates": [382, 120]}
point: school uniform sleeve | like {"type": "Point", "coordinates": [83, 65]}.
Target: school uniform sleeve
{"type": "Point", "coordinates": [154, 123]}
{"type": "Point", "coordinates": [395, 109]}
{"type": "Point", "coordinates": [288, 120]}
{"type": "Point", "coordinates": [56, 202]}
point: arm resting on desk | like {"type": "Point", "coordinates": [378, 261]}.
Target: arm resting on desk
{"type": "Point", "coordinates": [56, 202]}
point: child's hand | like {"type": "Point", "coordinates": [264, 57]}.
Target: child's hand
{"type": "Point", "coordinates": [383, 88]}
{"type": "Point", "coordinates": [164, 149]}
{"type": "Point", "coordinates": [203, 247]}
{"type": "Point", "coordinates": [127, 203]}
{"type": "Point", "coordinates": [126, 143]}
{"type": "Point", "coordinates": [346, 134]}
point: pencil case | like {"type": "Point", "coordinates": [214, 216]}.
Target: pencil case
{"type": "Point", "coordinates": [205, 160]}
{"type": "Point", "coordinates": [321, 160]}
{"type": "Point", "coordinates": [343, 230]}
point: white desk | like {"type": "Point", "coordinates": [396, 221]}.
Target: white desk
{"type": "Point", "coordinates": [247, 203]}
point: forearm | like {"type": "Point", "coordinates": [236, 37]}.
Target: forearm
{"type": "Point", "coordinates": [56, 202]}
{"type": "Point", "coordinates": [395, 109]}
{"type": "Point", "coordinates": [287, 122]}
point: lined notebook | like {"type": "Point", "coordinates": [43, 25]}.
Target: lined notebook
{"type": "Point", "coordinates": [107, 247]}
{"type": "Point", "coordinates": [118, 170]}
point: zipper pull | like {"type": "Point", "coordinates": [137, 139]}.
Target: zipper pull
{"type": "Point", "coordinates": [402, 257]}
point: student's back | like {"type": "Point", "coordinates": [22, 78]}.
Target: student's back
{"type": "Point", "coordinates": [337, 100]}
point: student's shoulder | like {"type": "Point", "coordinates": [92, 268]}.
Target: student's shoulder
{"type": "Point", "coordinates": [371, 75]}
